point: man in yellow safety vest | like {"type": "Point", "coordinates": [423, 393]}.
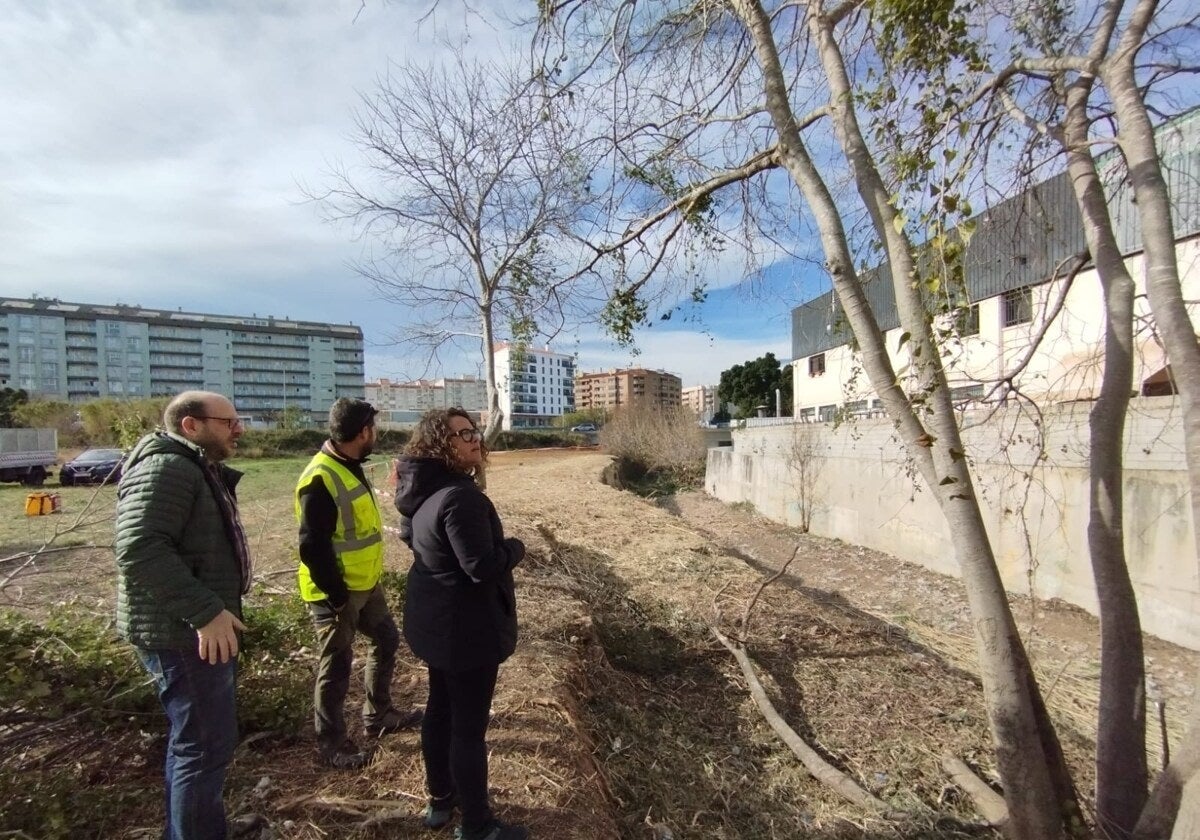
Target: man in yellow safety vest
{"type": "Point", "coordinates": [341, 561]}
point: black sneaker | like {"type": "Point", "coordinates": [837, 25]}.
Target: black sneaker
{"type": "Point", "coordinates": [345, 756]}
{"type": "Point", "coordinates": [494, 830]}
{"type": "Point", "coordinates": [439, 812]}
{"type": "Point", "coordinates": [393, 720]}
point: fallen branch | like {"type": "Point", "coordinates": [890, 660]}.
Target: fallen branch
{"type": "Point", "coordinates": [821, 770]}
{"type": "Point", "coordinates": [990, 804]}
{"type": "Point", "coordinates": [759, 591]}
{"type": "Point", "coordinates": [342, 805]}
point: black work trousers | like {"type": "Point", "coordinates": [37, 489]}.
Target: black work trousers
{"type": "Point", "coordinates": [365, 612]}
{"type": "Point", "coordinates": [453, 739]}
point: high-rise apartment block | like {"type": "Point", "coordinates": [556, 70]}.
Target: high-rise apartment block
{"type": "Point", "coordinates": [536, 387]}
{"type": "Point", "coordinates": [80, 352]}
{"type": "Point", "coordinates": [469, 392]}
{"type": "Point", "coordinates": [615, 389]}
{"type": "Point", "coordinates": [701, 400]}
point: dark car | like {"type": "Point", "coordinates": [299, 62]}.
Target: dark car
{"type": "Point", "coordinates": [94, 466]}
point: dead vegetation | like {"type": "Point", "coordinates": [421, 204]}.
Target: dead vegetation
{"type": "Point", "coordinates": [621, 716]}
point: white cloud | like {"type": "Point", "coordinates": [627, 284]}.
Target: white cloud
{"type": "Point", "coordinates": [154, 152]}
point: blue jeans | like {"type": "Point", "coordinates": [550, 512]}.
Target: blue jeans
{"type": "Point", "coordinates": [202, 715]}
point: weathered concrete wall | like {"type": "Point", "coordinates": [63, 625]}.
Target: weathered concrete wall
{"type": "Point", "coordinates": [855, 483]}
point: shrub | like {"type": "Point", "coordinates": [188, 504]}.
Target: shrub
{"type": "Point", "coordinates": [521, 439]}
{"type": "Point", "coordinates": [274, 685]}
{"type": "Point", "coordinates": [656, 445]}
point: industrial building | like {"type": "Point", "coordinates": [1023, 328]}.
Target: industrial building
{"type": "Point", "coordinates": [1018, 272]}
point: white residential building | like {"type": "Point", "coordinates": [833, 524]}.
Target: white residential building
{"type": "Point", "coordinates": [536, 387]}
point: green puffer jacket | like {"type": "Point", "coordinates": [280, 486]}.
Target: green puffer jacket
{"type": "Point", "coordinates": [177, 567]}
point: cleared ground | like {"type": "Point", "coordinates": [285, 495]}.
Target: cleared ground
{"type": "Point", "coordinates": [620, 715]}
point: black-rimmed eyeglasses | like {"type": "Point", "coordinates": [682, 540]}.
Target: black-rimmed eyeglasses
{"type": "Point", "coordinates": [230, 422]}
{"type": "Point", "coordinates": [467, 435]}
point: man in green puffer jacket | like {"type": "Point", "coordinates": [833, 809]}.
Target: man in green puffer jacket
{"type": "Point", "coordinates": [183, 566]}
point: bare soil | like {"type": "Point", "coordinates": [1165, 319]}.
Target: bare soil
{"type": "Point", "coordinates": [621, 716]}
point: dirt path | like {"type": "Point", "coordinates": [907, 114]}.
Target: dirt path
{"type": "Point", "coordinates": [1062, 639]}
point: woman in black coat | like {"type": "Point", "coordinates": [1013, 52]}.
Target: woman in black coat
{"type": "Point", "coordinates": [460, 613]}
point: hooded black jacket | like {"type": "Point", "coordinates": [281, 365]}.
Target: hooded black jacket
{"type": "Point", "coordinates": [460, 609]}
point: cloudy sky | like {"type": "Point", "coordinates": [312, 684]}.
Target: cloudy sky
{"type": "Point", "coordinates": [154, 152]}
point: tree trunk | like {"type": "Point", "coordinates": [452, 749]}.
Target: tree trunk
{"type": "Point", "coordinates": [1165, 293]}
{"type": "Point", "coordinates": [495, 421]}
{"type": "Point", "coordinates": [1034, 791]}
{"type": "Point", "coordinates": [1121, 773]}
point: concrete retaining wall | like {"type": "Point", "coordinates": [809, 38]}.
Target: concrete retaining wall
{"type": "Point", "coordinates": [854, 483]}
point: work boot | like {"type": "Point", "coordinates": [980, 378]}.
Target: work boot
{"type": "Point", "coordinates": [494, 830]}
{"type": "Point", "coordinates": [393, 720]}
{"type": "Point", "coordinates": [247, 826]}
{"type": "Point", "coordinates": [345, 756]}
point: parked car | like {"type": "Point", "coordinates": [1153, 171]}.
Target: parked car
{"type": "Point", "coordinates": [584, 427]}
{"type": "Point", "coordinates": [94, 466]}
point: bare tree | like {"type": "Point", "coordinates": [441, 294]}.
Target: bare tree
{"type": "Point", "coordinates": [791, 69]}
{"type": "Point", "coordinates": [470, 185]}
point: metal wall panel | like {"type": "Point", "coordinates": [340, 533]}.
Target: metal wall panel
{"type": "Point", "coordinates": [1024, 240]}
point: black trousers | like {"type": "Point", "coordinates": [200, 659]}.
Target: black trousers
{"type": "Point", "coordinates": [453, 739]}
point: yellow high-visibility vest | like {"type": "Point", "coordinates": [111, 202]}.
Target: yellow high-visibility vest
{"type": "Point", "coordinates": [358, 537]}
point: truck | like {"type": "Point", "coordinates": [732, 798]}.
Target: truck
{"type": "Point", "coordinates": [26, 455]}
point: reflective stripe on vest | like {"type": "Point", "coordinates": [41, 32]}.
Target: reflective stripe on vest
{"type": "Point", "coordinates": [358, 535]}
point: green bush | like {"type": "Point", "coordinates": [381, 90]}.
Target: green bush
{"type": "Point", "coordinates": [276, 443]}
{"type": "Point", "coordinates": [73, 663]}
{"type": "Point", "coordinates": [521, 439]}
{"type": "Point", "coordinates": [274, 686]}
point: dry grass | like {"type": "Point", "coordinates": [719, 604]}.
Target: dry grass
{"type": "Point", "coordinates": [620, 716]}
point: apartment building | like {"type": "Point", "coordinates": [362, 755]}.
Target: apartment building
{"type": "Point", "coordinates": [535, 387]}
{"type": "Point", "coordinates": [616, 389]}
{"type": "Point", "coordinates": [701, 400]}
{"type": "Point", "coordinates": [1018, 267]}
{"type": "Point", "coordinates": [420, 395]}
{"type": "Point", "coordinates": [79, 352]}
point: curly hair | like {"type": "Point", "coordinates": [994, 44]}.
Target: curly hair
{"type": "Point", "coordinates": [431, 438]}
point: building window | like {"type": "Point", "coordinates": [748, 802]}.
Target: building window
{"type": "Point", "coordinates": [826, 413]}
{"type": "Point", "coordinates": [816, 365]}
{"type": "Point", "coordinates": [112, 328]}
{"type": "Point", "coordinates": [966, 320]}
{"type": "Point", "coordinates": [1018, 306]}
{"type": "Point", "coordinates": [24, 354]}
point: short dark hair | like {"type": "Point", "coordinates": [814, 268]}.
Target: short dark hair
{"type": "Point", "coordinates": [348, 417]}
